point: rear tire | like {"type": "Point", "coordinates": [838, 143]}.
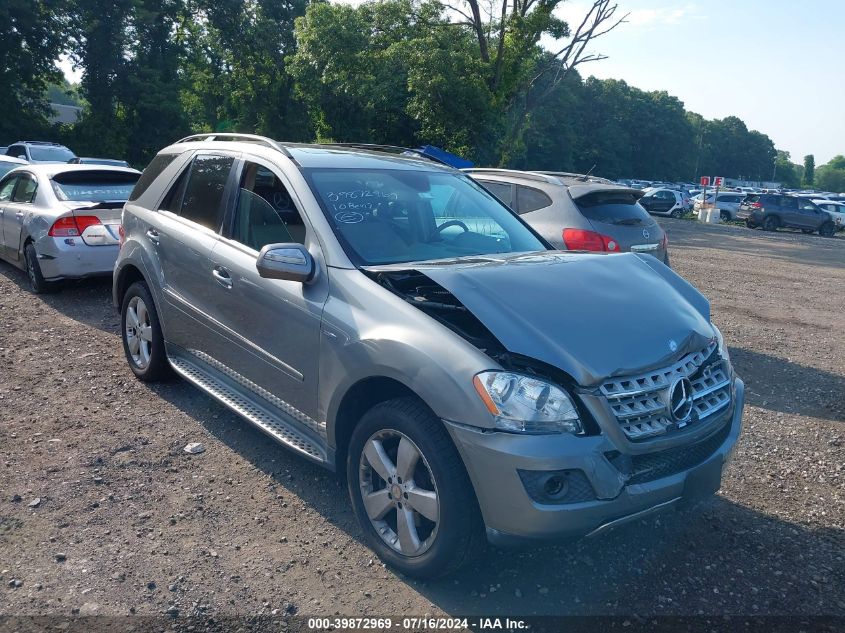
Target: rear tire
{"type": "Point", "coordinates": [771, 223]}
{"type": "Point", "coordinates": [828, 229]}
{"type": "Point", "coordinates": [725, 216]}
{"type": "Point", "coordinates": [143, 341]}
{"type": "Point", "coordinates": [37, 283]}
{"type": "Point", "coordinates": [677, 213]}
{"type": "Point", "coordinates": [424, 535]}
{"type": "Point", "coordinates": [750, 224]}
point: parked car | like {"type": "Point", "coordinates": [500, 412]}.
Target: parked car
{"type": "Point", "coordinates": [8, 163]}
{"type": "Point", "coordinates": [664, 202]}
{"type": "Point", "coordinates": [775, 211]}
{"type": "Point", "coordinates": [727, 203]}
{"type": "Point", "coordinates": [836, 210]}
{"type": "Point", "coordinates": [98, 161]}
{"type": "Point", "coordinates": [40, 152]}
{"type": "Point", "coordinates": [575, 215]}
{"type": "Point", "coordinates": [388, 318]}
{"type": "Point", "coordinates": [62, 221]}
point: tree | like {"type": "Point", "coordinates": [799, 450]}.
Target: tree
{"type": "Point", "coordinates": [786, 172]}
{"type": "Point", "coordinates": [831, 176]}
{"type": "Point", "coordinates": [32, 39]}
{"type": "Point", "coordinates": [809, 169]}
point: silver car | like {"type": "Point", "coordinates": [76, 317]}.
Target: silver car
{"type": "Point", "coordinates": [386, 317]}
{"type": "Point", "coordinates": [60, 221]}
{"type": "Point", "coordinates": [578, 213]}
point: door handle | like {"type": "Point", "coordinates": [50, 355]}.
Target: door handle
{"type": "Point", "coordinates": [19, 215]}
{"type": "Point", "coordinates": [153, 236]}
{"type": "Point", "coordinates": [222, 276]}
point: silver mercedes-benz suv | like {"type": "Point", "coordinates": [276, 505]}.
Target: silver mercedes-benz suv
{"type": "Point", "coordinates": [388, 318]}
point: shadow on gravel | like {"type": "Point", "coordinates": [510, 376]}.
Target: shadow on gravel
{"type": "Point", "coordinates": [785, 245]}
{"type": "Point", "coordinates": [780, 385]}
{"type": "Point", "coordinates": [87, 301]}
{"type": "Point", "coordinates": [717, 558]}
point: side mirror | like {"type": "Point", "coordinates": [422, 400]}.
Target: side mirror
{"type": "Point", "coordinates": [291, 262]}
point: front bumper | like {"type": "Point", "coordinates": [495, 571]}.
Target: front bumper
{"type": "Point", "coordinates": [512, 516]}
{"type": "Point", "coordinates": [71, 258]}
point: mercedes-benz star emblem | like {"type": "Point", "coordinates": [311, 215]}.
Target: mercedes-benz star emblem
{"type": "Point", "coordinates": [673, 346]}
{"type": "Point", "coordinates": [680, 399]}
{"type": "Point", "coordinates": [646, 234]}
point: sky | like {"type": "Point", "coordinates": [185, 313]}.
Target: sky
{"type": "Point", "coordinates": [776, 64]}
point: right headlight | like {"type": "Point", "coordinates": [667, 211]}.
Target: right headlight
{"type": "Point", "coordinates": [525, 404]}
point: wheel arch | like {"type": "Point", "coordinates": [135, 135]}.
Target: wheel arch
{"type": "Point", "coordinates": [359, 398]}
{"type": "Point", "coordinates": [127, 276]}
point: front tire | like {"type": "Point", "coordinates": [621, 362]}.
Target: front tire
{"type": "Point", "coordinates": [725, 216]}
{"type": "Point", "coordinates": [410, 491]}
{"type": "Point", "coordinates": [677, 213]}
{"type": "Point", "coordinates": [37, 283]}
{"type": "Point", "coordinates": [143, 341]}
{"type": "Point", "coordinates": [828, 229]}
{"type": "Point", "coordinates": [771, 223]}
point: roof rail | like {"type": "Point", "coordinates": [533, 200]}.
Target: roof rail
{"type": "Point", "coordinates": [582, 177]}
{"type": "Point", "coordinates": [250, 138]}
{"type": "Point", "coordinates": [387, 148]}
{"type": "Point", "coordinates": [528, 175]}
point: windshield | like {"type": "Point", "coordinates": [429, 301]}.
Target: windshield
{"type": "Point", "coordinates": [94, 186]}
{"type": "Point", "coordinates": [52, 153]}
{"type": "Point", "coordinates": [390, 216]}
{"type": "Point", "coordinates": [614, 207]}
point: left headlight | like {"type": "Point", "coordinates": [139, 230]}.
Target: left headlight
{"type": "Point", "coordinates": [525, 404]}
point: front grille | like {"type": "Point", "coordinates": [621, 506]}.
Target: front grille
{"type": "Point", "coordinates": [643, 468]}
{"type": "Point", "coordinates": [641, 403]}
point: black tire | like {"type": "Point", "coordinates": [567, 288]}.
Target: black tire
{"type": "Point", "coordinates": [458, 536]}
{"type": "Point", "coordinates": [156, 367]}
{"type": "Point", "coordinates": [725, 216]}
{"type": "Point", "coordinates": [771, 223]}
{"type": "Point", "coordinates": [828, 229]}
{"type": "Point", "coordinates": [37, 283]}
{"type": "Point", "coordinates": [677, 213]}
{"type": "Point", "coordinates": [750, 224]}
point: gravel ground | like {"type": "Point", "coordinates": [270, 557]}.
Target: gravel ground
{"type": "Point", "coordinates": [103, 513]}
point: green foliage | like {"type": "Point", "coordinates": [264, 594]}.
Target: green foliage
{"type": "Point", "coordinates": [786, 172]}
{"type": "Point", "coordinates": [831, 176]}
{"type": "Point", "coordinates": [809, 170]}
{"type": "Point", "coordinates": [32, 38]}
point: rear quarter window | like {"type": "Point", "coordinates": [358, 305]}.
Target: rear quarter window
{"type": "Point", "coordinates": [529, 199]}
{"type": "Point", "coordinates": [613, 208]}
{"type": "Point", "coordinates": [153, 170]}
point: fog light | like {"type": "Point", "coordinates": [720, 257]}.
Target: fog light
{"type": "Point", "coordinates": [557, 486]}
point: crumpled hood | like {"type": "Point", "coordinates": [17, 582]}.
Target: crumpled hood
{"type": "Point", "coordinates": [592, 316]}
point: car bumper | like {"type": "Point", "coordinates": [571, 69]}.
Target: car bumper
{"type": "Point", "coordinates": [71, 258]}
{"type": "Point", "coordinates": [513, 517]}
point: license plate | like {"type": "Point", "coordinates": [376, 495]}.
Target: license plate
{"type": "Point", "coordinates": [644, 248]}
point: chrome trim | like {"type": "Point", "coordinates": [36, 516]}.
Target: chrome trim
{"type": "Point", "coordinates": [604, 527]}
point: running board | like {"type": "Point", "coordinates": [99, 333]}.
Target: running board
{"type": "Point", "coordinates": [274, 425]}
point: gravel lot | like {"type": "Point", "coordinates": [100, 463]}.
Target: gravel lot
{"type": "Point", "coordinates": [102, 512]}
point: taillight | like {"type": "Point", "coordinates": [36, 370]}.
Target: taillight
{"type": "Point", "coordinates": [580, 240]}
{"type": "Point", "coordinates": [72, 226]}
{"type": "Point", "coordinates": [756, 205]}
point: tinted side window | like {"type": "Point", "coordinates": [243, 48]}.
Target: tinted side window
{"type": "Point", "coordinates": [6, 188]}
{"type": "Point", "coordinates": [502, 190]}
{"type": "Point", "coordinates": [151, 172]}
{"type": "Point", "coordinates": [18, 151]}
{"type": "Point", "coordinates": [529, 199]}
{"type": "Point", "coordinates": [788, 203]}
{"type": "Point", "coordinates": [25, 191]}
{"type": "Point", "coordinates": [202, 202]}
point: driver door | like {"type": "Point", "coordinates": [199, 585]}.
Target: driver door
{"type": "Point", "coordinates": [270, 328]}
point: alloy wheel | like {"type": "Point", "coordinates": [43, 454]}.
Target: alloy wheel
{"type": "Point", "coordinates": [139, 333]}
{"type": "Point", "coordinates": [399, 492]}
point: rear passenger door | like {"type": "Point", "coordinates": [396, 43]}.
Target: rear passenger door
{"type": "Point", "coordinates": [183, 233]}
{"type": "Point", "coordinates": [789, 213]}
{"type": "Point", "coordinates": [14, 212]}
{"type": "Point", "coordinates": [7, 188]}
{"type": "Point", "coordinates": [269, 328]}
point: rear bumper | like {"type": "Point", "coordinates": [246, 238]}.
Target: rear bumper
{"type": "Point", "coordinates": [512, 517]}
{"type": "Point", "coordinates": [71, 258]}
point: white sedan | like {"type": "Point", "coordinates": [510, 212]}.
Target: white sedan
{"type": "Point", "coordinates": [835, 210]}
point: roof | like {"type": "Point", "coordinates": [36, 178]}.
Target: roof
{"type": "Point", "coordinates": [316, 155]}
{"type": "Point", "coordinates": [51, 169]}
